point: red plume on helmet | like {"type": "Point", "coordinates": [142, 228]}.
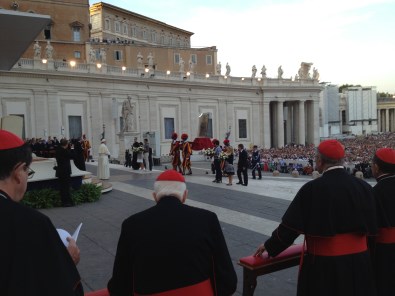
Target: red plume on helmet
{"type": "Point", "coordinates": [226, 142]}
{"type": "Point", "coordinates": [184, 136]}
{"type": "Point", "coordinates": [174, 136]}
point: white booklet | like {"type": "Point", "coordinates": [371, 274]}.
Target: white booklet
{"type": "Point", "coordinates": [64, 234]}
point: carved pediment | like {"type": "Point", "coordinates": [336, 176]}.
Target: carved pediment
{"type": "Point", "coordinates": [76, 24]}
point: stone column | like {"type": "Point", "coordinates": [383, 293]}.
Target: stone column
{"type": "Point", "coordinates": [302, 131]}
{"type": "Point", "coordinates": [186, 117]}
{"type": "Point", "coordinates": [387, 120]}
{"type": "Point", "coordinates": [255, 130]}
{"type": "Point", "coordinates": [289, 125]}
{"type": "Point", "coordinates": [41, 113]}
{"type": "Point", "coordinates": [96, 121]}
{"type": "Point", "coordinates": [54, 114]}
{"type": "Point", "coordinates": [315, 123]}
{"type": "Point", "coordinates": [280, 124]}
{"type": "Point", "coordinates": [266, 125]}
{"type": "Point", "coordinates": [379, 120]}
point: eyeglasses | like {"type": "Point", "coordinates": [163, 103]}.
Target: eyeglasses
{"type": "Point", "coordinates": [30, 173]}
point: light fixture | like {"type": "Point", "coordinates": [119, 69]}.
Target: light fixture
{"type": "Point", "coordinates": [72, 63]}
{"type": "Point", "coordinates": [168, 72]}
{"type": "Point", "coordinates": [226, 77]}
{"type": "Point", "coordinates": [242, 79]}
{"type": "Point", "coordinates": [259, 79]}
{"type": "Point", "coordinates": [98, 65]}
{"type": "Point", "coordinates": [146, 70]}
{"type": "Point", "coordinates": [207, 75]}
{"type": "Point", "coordinates": [123, 68]}
{"type": "Point", "coordinates": [44, 61]}
{"type": "Point", "coordinates": [188, 73]}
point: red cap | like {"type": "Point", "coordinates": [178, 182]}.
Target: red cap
{"type": "Point", "coordinates": [174, 136]}
{"type": "Point", "coordinates": [171, 175]}
{"type": "Point", "coordinates": [9, 140]}
{"type": "Point", "coordinates": [386, 154]}
{"type": "Point", "coordinates": [332, 149]}
{"type": "Point", "coordinates": [226, 142]}
{"type": "Point", "coordinates": [184, 136]}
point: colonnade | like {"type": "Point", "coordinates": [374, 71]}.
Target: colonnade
{"type": "Point", "coordinates": [293, 121]}
{"type": "Point", "coordinates": [386, 120]}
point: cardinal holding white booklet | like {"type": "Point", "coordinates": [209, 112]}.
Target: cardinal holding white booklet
{"type": "Point", "coordinates": [33, 259]}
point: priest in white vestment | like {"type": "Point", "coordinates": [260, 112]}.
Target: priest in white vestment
{"type": "Point", "coordinates": [103, 168]}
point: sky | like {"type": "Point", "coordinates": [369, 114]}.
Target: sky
{"type": "Point", "coordinates": [348, 41]}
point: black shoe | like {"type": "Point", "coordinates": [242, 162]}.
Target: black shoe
{"type": "Point", "coordinates": [260, 178]}
{"type": "Point", "coordinates": [239, 183]}
{"type": "Point", "coordinates": [253, 178]}
{"type": "Point", "coordinates": [244, 184]}
{"type": "Point", "coordinates": [214, 181]}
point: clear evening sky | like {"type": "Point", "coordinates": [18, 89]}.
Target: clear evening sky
{"type": "Point", "coordinates": [348, 41]}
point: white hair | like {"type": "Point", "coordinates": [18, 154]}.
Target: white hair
{"type": "Point", "coordinates": [169, 188]}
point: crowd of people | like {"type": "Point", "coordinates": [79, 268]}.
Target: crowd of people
{"type": "Point", "coordinates": [358, 155]}
{"type": "Point", "coordinates": [349, 230]}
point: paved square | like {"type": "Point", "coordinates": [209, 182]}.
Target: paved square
{"type": "Point", "coordinates": [247, 215]}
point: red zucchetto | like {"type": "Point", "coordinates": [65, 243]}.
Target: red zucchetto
{"type": "Point", "coordinates": [171, 175]}
{"type": "Point", "coordinates": [331, 149]}
{"type": "Point", "coordinates": [9, 140]}
{"type": "Point", "coordinates": [387, 155]}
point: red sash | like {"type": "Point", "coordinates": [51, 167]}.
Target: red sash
{"type": "Point", "coordinates": [201, 289]}
{"type": "Point", "coordinates": [338, 245]}
{"type": "Point", "coordinates": [386, 236]}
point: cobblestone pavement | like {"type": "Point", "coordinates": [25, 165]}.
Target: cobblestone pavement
{"type": "Point", "coordinates": [248, 215]}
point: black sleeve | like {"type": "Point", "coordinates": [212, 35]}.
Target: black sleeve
{"type": "Point", "coordinates": [121, 282]}
{"type": "Point", "coordinates": [224, 272]}
{"type": "Point", "coordinates": [281, 239]}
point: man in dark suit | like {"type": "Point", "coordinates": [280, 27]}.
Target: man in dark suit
{"type": "Point", "coordinates": [63, 172]}
{"type": "Point", "coordinates": [242, 165]}
{"type": "Point", "coordinates": [172, 247]}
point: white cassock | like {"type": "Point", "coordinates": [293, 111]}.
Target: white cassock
{"type": "Point", "coordinates": [103, 168]}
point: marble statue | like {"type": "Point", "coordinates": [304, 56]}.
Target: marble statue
{"type": "Point", "coordinates": [182, 65]}
{"type": "Point", "coordinates": [316, 75]}
{"type": "Point", "coordinates": [304, 70]}
{"type": "Point", "coordinates": [280, 72]}
{"type": "Point", "coordinates": [127, 115]}
{"type": "Point", "coordinates": [218, 68]}
{"type": "Point", "coordinates": [103, 55]}
{"type": "Point", "coordinates": [49, 50]}
{"type": "Point", "coordinates": [92, 56]}
{"type": "Point", "coordinates": [150, 59]}
{"type": "Point", "coordinates": [263, 71]}
{"type": "Point", "coordinates": [139, 60]}
{"type": "Point", "coordinates": [191, 65]}
{"type": "Point", "coordinates": [253, 71]}
{"type": "Point", "coordinates": [227, 69]}
{"type": "Point", "coordinates": [37, 50]}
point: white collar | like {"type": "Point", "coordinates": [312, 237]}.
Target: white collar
{"type": "Point", "coordinates": [333, 168]}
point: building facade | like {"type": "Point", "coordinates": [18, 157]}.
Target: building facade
{"type": "Point", "coordinates": [330, 123]}
{"type": "Point", "coordinates": [359, 110]}
{"type": "Point", "coordinates": [386, 115]}
{"type": "Point", "coordinates": [59, 98]}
